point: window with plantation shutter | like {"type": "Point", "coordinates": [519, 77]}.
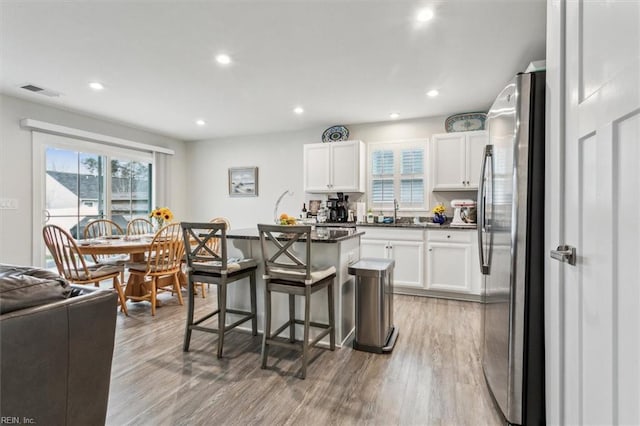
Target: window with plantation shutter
{"type": "Point", "coordinates": [412, 177]}
{"type": "Point", "coordinates": [397, 172]}
{"type": "Point", "coordinates": [382, 185]}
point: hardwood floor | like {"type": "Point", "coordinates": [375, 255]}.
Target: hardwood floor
{"type": "Point", "coordinates": [433, 376]}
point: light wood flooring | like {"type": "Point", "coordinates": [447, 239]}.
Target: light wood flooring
{"type": "Point", "coordinates": [433, 376]}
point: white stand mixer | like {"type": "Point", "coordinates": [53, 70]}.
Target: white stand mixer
{"type": "Point", "coordinates": [464, 215]}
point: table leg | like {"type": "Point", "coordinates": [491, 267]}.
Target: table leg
{"type": "Point", "coordinates": [135, 285]}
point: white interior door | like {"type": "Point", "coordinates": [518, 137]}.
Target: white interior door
{"type": "Point", "coordinates": [596, 349]}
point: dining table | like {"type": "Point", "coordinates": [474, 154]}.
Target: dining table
{"type": "Point", "coordinates": [133, 245]}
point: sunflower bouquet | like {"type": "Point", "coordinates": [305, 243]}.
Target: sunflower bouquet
{"type": "Point", "coordinates": [161, 215]}
{"type": "Point", "coordinates": [439, 209]}
{"type": "Point", "coordinates": [438, 214]}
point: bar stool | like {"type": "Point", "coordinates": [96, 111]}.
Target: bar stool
{"type": "Point", "coordinates": [206, 266]}
{"type": "Point", "coordinates": [286, 273]}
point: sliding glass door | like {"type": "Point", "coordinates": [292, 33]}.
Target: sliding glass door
{"type": "Point", "coordinates": [84, 181]}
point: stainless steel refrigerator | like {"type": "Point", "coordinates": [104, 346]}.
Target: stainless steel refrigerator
{"type": "Point", "coordinates": [511, 237]}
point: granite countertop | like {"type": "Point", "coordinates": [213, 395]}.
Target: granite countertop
{"type": "Point", "coordinates": [421, 225]}
{"type": "Point", "coordinates": [319, 235]}
{"type": "Point", "coordinates": [425, 222]}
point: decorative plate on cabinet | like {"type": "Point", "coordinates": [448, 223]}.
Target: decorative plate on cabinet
{"type": "Point", "coordinates": [465, 122]}
{"type": "Point", "coordinates": [335, 133]}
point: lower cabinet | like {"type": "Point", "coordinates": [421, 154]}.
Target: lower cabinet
{"type": "Point", "coordinates": [452, 262]}
{"type": "Point", "coordinates": [406, 249]}
{"type": "Point", "coordinates": [432, 262]}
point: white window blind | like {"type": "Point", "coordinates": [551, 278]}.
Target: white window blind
{"type": "Point", "coordinates": [382, 185]}
{"type": "Point", "coordinates": [412, 177]}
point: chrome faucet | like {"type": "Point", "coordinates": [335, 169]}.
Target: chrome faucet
{"type": "Point", "coordinates": [396, 206]}
{"type": "Point", "coordinates": [276, 219]}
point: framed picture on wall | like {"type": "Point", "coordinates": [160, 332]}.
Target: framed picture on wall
{"type": "Point", "coordinates": [243, 182]}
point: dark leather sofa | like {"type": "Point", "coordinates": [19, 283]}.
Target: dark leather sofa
{"type": "Point", "coordinates": [56, 347]}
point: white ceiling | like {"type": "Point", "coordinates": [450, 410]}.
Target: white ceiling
{"type": "Point", "coordinates": [343, 61]}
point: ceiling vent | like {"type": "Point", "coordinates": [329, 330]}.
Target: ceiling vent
{"type": "Point", "coordinates": [40, 90]}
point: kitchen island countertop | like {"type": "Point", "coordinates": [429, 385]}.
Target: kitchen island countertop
{"type": "Point", "coordinates": [318, 235]}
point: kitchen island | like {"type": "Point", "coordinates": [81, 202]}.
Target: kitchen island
{"type": "Point", "coordinates": [336, 247]}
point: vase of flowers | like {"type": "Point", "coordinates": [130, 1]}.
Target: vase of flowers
{"type": "Point", "coordinates": [161, 215]}
{"type": "Point", "coordinates": [438, 214]}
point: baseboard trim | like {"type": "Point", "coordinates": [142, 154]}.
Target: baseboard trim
{"type": "Point", "coordinates": [437, 294]}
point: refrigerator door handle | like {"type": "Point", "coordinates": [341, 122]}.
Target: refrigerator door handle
{"type": "Point", "coordinates": [488, 153]}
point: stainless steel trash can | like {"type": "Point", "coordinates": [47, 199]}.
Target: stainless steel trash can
{"type": "Point", "coordinates": [375, 331]}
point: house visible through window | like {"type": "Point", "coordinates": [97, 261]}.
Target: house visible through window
{"type": "Point", "coordinates": [82, 186]}
{"type": "Point", "coordinates": [397, 172]}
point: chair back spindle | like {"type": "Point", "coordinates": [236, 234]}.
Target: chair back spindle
{"type": "Point", "coordinates": [139, 226]}
{"type": "Point", "coordinates": [102, 228]}
{"type": "Point", "coordinates": [167, 247]}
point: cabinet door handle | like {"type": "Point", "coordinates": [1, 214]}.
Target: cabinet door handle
{"type": "Point", "coordinates": [430, 249]}
{"type": "Point", "coordinates": [448, 236]}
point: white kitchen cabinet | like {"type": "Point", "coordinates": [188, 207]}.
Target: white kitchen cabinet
{"type": "Point", "coordinates": [334, 167]}
{"type": "Point", "coordinates": [374, 248]}
{"type": "Point", "coordinates": [456, 159]}
{"type": "Point", "coordinates": [452, 262]}
{"type": "Point", "coordinates": [405, 247]}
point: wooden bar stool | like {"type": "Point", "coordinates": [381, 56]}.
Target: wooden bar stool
{"type": "Point", "coordinates": [286, 273]}
{"type": "Point", "coordinates": [205, 265]}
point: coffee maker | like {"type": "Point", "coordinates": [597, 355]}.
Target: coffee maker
{"type": "Point", "coordinates": [338, 208]}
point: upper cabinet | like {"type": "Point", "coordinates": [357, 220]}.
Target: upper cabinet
{"type": "Point", "coordinates": [456, 159]}
{"type": "Point", "coordinates": [334, 167]}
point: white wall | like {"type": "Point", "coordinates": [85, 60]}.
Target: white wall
{"type": "Point", "coordinates": [278, 157]}
{"type": "Point", "coordinates": [16, 167]}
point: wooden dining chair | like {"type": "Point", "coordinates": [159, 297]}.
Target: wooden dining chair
{"type": "Point", "coordinates": [164, 260]}
{"type": "Point", "coordinates": [139, 226]}
{"type": "Point", "coordinates": [73, 267]}
{"type": "Point", "coordinates": [106, 228]}
{"type": "Point", "coordinates": [101, 228]}
{"type": "Point", "coordinates": [205, 265]}
{"type": "Point", "coordinates": [287, 272]}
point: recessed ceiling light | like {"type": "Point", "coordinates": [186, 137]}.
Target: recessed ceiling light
{"type": "Point", "coordinates": [201, 122]}
{"type": "Point", "coordinates": [432, 93]}
{"type": "Point", "coordinates": [223, 59]}
{"type": "Point", "coordinates": [96, 86]}
{"type": "Point", "coordinates": [298, 110]}
{"type": "Point", "coordinates": [394, 115]}
{"type": "Point", "coordinates": [424, 15]}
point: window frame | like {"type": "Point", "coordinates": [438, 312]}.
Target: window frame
{"type": "Point", "coordinates": [397, 147]}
